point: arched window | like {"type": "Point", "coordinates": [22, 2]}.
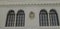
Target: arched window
{"type": "Point", "coordinates": [10, 18]}
{"type": "Point", "coordinates": [53, 18]}
{"type": "Point", "coordinates": [20, 18]}
{"type": "Point", "coordinates": [43, 18]}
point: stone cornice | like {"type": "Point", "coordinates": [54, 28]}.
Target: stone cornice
{"type": "Point", "coordinates": [29, 2]}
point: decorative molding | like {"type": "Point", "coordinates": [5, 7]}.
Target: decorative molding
{"type": "Point", "coordinates": [32, 15]}
{"type": "Point", "coordinates": [29, 2]}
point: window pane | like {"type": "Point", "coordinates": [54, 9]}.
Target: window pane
{"type": "Point", "coordinates": [53, 18]}
{"type": "Point", "coordinates": [20, 18]}
{"type": "Point", "coordinates": [43, 18]}
{"type": "Point", "coordinates": [10, 19]}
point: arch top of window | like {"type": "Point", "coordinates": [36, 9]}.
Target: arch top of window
{"type": "Point", "coordinates": [11, 12]}
{"type": "Point", "coordinates": [43, 11]}
{"type": "Point", "coordinates": [20, 12]}
{"type": "Point", "coordinates": [53, 11]}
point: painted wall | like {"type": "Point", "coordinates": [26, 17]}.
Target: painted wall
{"type": "Point", "coordinates": [29, 24]}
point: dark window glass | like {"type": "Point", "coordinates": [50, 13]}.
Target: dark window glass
{"type": "Point", "coordinates": [20, 18]}
{"type": "Point", "coordinates": [10, 19]}
{"type": "Point", "coordinates": [43, 18]}
{"type": "Point", "coordinates": [53, 18]}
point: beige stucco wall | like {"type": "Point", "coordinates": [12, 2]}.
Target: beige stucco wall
{"type": "Point", "coordinates": [29, 24]}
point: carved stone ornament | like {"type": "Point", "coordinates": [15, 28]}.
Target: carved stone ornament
{"type": "Point", "coordinates": [31, 15]}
